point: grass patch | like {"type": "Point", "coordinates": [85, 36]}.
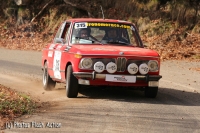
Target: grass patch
{"type": "Point", "coordinates": [14, 104]}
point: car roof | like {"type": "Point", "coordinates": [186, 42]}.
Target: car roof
{"type": "Point", "coordinates": [97, 20]}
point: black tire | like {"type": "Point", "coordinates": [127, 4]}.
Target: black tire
{"type": "Point", "coordinates": [71, 83]}
{"type": "Point", "coordinates": [48, 83]}
{"type": "Point", "coordinates": [151, 92]}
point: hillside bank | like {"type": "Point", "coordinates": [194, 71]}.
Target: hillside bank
{"type": "Point", "coordinates": [170, 27]}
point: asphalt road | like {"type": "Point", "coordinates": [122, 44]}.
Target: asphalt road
{"type": "Point", "coordinates": [176, 109]}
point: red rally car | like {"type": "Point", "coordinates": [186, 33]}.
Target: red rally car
{"type": "Point", "coordinates": [99, 52]}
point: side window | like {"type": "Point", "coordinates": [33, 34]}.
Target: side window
{"type": "Point", "coordinates": [58, 34]}
{"type": "Point", "coordinates": [60, 31]}
{"type": "Point", "coordinates": [133, 38]}
{"type": "Point", "coordinates": [66, 32]}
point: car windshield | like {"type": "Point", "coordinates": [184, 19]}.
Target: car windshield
{"type": "Point", "coordinates": [104, 33]}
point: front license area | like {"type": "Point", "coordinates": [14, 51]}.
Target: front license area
{"type": "Point", "coordinates": [120, 78]}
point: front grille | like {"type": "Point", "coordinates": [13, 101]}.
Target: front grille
{"type": "Point", "coordinates": [121, 64]}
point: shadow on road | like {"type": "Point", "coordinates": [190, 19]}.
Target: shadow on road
{"type": "Point", "coordinates": [164, 96]}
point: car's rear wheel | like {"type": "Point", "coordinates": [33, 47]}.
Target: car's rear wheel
{"type": "Point", "coordinates": [48, 83]}
{"type": "Point", "coordinates": [151, 92]}
{"type": "Point", "coordinates": [71, 83]}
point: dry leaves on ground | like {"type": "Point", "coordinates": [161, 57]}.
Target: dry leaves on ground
{"type": "Point", "coordinates": [188, 48]}
{"type": "Point", "coordinates": [14, 104]}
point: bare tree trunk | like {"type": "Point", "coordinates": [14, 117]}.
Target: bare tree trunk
{"type": "Point", "coordinates": [184, 16]}
{"type": "Point", "coordinates": [20, 20]}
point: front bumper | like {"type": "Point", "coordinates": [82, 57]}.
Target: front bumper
{"type": "Point", "coordinates": [94, 75]}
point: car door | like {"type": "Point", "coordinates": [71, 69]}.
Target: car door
{"type": "Point", "coordinates": [54, 49]}
{"type": "Point", "coordinates": [64, 50]}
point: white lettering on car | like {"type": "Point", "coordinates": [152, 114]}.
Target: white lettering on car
{"type": "Point", "coordinates": [120, 78]}
{"type": "Point", "coordinates": [56, 64]}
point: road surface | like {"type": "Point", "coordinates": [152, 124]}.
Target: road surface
{"type": "Point", "coordinates": [106, 110]}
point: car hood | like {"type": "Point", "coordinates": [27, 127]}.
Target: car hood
{"type": "Point", "coordinates": [112, 50]}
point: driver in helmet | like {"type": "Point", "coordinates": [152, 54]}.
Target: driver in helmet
{"type": "Point", "coordinates": [113, 36]}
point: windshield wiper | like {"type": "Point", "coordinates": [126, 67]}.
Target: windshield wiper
{"type": "Point", "coordinates": [124, 42]}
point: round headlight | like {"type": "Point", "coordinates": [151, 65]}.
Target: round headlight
{"type": "Point", "coordinates": [99, 67]}
{"type": "Point", "coordinates": [111, 67]}
{"type": "Point", "coordinates": [143, 68]}
{"type": "Point", "coordinates": [132, 68]}
{"type": "Point", "coordinates": [153, 65]}
{"type": "Point", "coordinates": [86, 63]}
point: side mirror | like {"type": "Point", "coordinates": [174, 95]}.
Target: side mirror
{"type": "Point", "coordinates": [59, 40]}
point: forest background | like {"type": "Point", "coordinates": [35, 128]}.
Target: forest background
{"type": "Point", "coordinates": [170, 27]}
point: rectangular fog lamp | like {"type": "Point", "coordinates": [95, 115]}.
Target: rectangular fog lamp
{"type": "Point", "coordinates": [153, 83]}
{"type": "Point", "coordinates": [83, 82]}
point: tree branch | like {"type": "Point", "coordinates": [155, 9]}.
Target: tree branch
{"type": "Point", "coordinates": [41, 11]}
{"type": "Point", "coordinates": [67, 2]}
{"type": "Point", "coordinates": [80, 7]}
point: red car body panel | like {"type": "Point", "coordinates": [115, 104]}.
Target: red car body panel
{"type": "Point", "coordinates": [109, 50]}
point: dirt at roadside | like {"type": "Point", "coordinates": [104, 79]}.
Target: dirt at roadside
{"type": "Point", "coordinates": [14, 104]}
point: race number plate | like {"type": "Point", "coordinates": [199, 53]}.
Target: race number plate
{"type": "Point", "coordinates": [120, 78]}
{"type": "Point", "coordinates": [80, 25]}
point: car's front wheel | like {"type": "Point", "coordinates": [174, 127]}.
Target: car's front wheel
{"type": "Point", "coordinates": [48, 83]}
{"type": "Point", "coordinates": [71, 83]}
{"type": "Point", "coordinates": [151, 92]}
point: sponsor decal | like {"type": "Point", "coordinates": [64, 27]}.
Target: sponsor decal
{"type": "Point", "coordinates": [56, 64]}
{"type": "Point", "coordinates": [100, 67]}
{"type": "Point", "coordinates": [112, 67]}
{"type": "Point", "coordinates": [135, 69]}
{"type": "Point", "coordinates": [91, 24]}
{"type": "Point", "coordinates": [117, 25]}
{"type": "Point", "coordinates": [145, 69]}
{"type": "Point", "coordinates": [121, 79]}
{"type": "Point", "coordinates": [50, 54]}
